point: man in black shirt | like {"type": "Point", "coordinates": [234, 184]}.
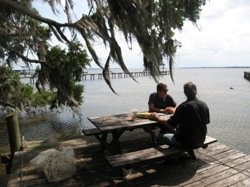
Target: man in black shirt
{"type": "Point", "coordinates": [188, 122]}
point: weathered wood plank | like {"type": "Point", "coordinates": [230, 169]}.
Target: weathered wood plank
{"type": "Point", "coordinates": [221, 170]}
{"type": "Point", "coordinates": [16, 180]}
{"type": "Point", "coordinates": [218, 177]}
{"type": "Point", "coordinates": [200, 177]}
{"type": "Point", "coordinates": [218, 165]}
{"type": "Point", "coordinates": [245, 167]}
{"type": "Point", "coordinates": [149, 154]}
{"type": "Point", "coordinates": [245, 182]}
{"type": "Point", "coordinates": [227, 181]}
{"type": "Point", "coordinates": [217, 149]}
{"type": "Point", "coordinates": [89, 132]}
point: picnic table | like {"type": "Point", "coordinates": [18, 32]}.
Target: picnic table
{"type": "Point", "coordinates": [116, 125]}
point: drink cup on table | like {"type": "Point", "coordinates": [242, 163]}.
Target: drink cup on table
{"type": "Point", "coordinates": [133, 113]}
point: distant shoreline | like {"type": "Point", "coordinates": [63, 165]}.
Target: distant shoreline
{"type": "Point", "coordinates": [180, 67]}
{"type": "Point", "coordinates": [215, 67]}
{"type": "Point", "coordinates": [97, 68]}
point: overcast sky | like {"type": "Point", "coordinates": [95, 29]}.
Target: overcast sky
{"type": "Point", "coordinates": [223, 37]}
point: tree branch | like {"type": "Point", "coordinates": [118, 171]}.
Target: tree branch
{"type": "Point", "coordinates": [28, 59]}
{"type": "Point", "coordinates": [6, 104]}
{"type": "Point", "coordinates": [37, 17]}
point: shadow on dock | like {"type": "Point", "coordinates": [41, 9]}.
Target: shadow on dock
{"type": "Point", "coordinates": [217, 165]}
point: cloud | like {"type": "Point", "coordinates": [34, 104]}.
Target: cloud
{"type": "Point", "coordinates": [223, 38]}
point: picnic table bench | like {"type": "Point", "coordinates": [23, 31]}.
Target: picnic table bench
{"type": "Point", "coordinates": [149, 154]}
{"type": "Point", "coordinates": [90, 132]}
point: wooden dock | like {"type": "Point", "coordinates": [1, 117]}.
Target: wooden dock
{"type": "Point", "coordinates": [247, 75]}
{"type": "Point", "coordinates": [217, 165]}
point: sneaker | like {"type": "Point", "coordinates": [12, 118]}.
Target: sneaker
{"type": "Point", "coordinates": [191, 154]}
{"type": "Point", "coordinates": [204, 146]}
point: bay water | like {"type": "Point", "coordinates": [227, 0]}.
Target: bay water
{"type": "Point", "coordinates": [225, 91]}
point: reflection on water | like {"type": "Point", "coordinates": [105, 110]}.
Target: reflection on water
{"type": "Point", "coordinates": [43, 126]}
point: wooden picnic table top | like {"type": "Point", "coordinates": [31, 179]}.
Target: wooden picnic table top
{"type": "Point", "coordinates": [116, 125]}
{"type": "Point", "coordinates": [119, 122]}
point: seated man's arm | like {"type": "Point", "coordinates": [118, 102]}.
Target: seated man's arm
{"type": "Point", "coordinates": [167, 110]}
{"type": "Point", "coordinates": [170, 110]}
{"type": "Point", "coordinates": [152, 108]}
{"type": "Point", "coordinates": [162, 120]}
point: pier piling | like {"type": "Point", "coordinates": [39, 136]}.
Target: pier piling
{"type": "Point", "coordinates": [247, 75]}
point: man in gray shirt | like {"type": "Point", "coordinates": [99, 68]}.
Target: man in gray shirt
{"type": "Point", "coordinates": [161, 101]}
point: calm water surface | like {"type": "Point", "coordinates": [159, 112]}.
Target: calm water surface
{"type": "Point", "coordinates": [225, 91]}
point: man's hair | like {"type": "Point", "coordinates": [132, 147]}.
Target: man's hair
{"type": "Point", "coordinates": [161, 86]}
{"type": "Point", "coordinates": [190, 90]}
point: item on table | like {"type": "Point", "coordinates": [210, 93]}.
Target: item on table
{"type": "Point", "coordinates": [133, 113]}
{"type": "Point", "coordinates": [146, 115]}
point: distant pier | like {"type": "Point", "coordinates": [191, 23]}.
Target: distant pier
{"type": "Point", "coordinates": [31, 77]}
{"type": "Point", "coordinates": [247, 75]}
{"type": "Point", "coordinates": [93, 76]}
{"type": "Point", "coordinates": [98, 76]}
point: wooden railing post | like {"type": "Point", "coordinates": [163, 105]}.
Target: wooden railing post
{"type": "Point", "coordinates": [13, 132]}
